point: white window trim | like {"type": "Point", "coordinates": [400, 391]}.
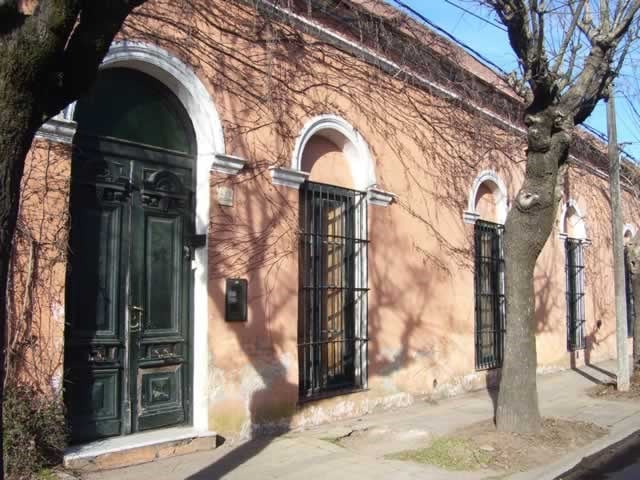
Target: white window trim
{"type": "Point", "coordinates": [562, 235]}
{"type": "Point", "coordinates": [227, 164]}
{"type": "Point", "coordinates": [629, 227]}
{"type": "Point", "coordinates": [354, 148]}
{"type": "Point", "coordinates": [499, 190]}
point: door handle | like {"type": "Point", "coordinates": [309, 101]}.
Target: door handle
{"type": "Point", "coordinates": [135, 318]}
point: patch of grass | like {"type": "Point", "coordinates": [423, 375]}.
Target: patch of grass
{"type": "Point", "coordinates": [46, 474]}
{"type": "Point", "coordinates": [453, 454]}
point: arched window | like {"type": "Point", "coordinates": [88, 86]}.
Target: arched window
{"type": "Point", "coordinates": [326, 163]}
{"type": "Point", "coordinates": [144, 111]}
{"type": "Point", "coordinates": [574, 231]}
{"type": "Point", "coordinates": [487, 199]}
{"type": "Point", "coordinates": [573, 222]}
{"type": "Point", "coordinates": [332, 338]}
{"type": "Point", "coordinates": [487, 210]}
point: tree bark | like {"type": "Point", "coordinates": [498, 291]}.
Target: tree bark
{"type": "Point", "coordinates": [15, 141]}
{"type": "Point", "coordinates": [528, 226]}
{"type": "Point", "coordinates": [47, 60]}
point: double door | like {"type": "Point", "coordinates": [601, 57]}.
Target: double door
{"type": "Point", "coordinates": [127, 349]}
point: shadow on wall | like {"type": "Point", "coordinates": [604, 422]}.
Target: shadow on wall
{"type": "Point", "coordinates": [38, 265]}
{"type": "Point", "coordinates": [435, 147]}
{"type": "Point", "coordinates": [432, 151]}
{"type": "Point", "coordinates": [271, 397]}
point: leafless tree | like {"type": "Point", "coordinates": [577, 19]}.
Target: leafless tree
{"type": "Point", "coordinates": [50, 51]}
{"type": "Point", "coordinates": [569, 52]}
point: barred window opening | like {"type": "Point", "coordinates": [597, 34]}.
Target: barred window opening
{"type": "Point", "coordinates": [575, 294]}
{"type": "Point", "coordinates": [631, 311]}
{"type": "Point", "coordinates": [489, 293]}
{"type": "Point", "coordinates": [332, 332]}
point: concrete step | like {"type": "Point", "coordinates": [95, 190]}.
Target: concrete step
{"type": "Point", "coordinates": [138, 448]}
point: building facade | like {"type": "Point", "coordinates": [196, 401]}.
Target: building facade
{"type": "Point", "coordinates": [260, 220]}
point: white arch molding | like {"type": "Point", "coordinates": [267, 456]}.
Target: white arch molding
{"type": "Point", "coordinates": [499, 191]}
{"type": "Point", "coordinates": [630, 229]}
{"type": "Point", "coordinates": [581, 226]}
{"type": "Point", "coordinates": [354, 148]}
{"type": "Point", "coordinates": [195, 98]}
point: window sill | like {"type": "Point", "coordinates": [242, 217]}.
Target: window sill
{"type": "Point", "coordinates": [576, 349]}
{"type": "Point", "coordinates": [486, 369]}
{"type": "Point", "coordinates": [331, 394]}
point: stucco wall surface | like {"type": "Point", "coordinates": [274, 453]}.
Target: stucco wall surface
{"type": "Point", "coordinates": [267, 80]}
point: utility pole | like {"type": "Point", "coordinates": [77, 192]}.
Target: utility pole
{"type": "Point", "coordinates": [618, 247]}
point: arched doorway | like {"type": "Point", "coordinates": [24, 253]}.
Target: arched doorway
{"type": "Point", "coordinates": [129, 285]}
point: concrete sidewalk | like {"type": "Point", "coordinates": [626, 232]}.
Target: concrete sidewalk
{"type": "Point", "coordinates": [309, 454]}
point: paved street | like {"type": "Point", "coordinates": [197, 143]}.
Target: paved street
{"type": "Point", "coordinates": [309, 455]}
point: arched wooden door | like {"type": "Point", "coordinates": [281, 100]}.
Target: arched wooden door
{"type": "Point", "coordinates": [129, 288]}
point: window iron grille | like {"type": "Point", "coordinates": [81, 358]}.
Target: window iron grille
{"type": "Point", "coordinates": [575, 294]}
{"type": "Point", "coordinates": [631, 311]}
{"type": "Point", "coordinates": [332, 330]}
{"type": "Point", "coordinates": [489, 293]}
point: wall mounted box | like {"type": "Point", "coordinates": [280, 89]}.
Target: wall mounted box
{"type": "Point", "coordinates": [236, 300]}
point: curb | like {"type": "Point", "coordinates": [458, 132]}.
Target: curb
{"type": "Point", "coordinates": [618, 432]}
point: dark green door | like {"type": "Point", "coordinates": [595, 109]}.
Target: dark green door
{"type": "Point", "coordinates": [127, 349]}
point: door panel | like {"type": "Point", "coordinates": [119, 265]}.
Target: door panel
{"type": "Point", "coordinates": [95, 294]}
{"type": "Point", "coordinates": [160, 396]}
{"type": "Point", "coordinates": [163, 263]}
{"type": "Point", "coordinates": [94, 349]}
{"type": "Point", "coordinates": [128, 291]}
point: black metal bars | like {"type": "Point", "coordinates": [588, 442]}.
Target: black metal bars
{"type": "Point", "coordinates": [574, 249]}
{"type": "Point", "coordinates": [489, 293]}
{"type": "Point", "coordinates": [332, 325]}
{"type": "Point", "coordinates": [628, 287]}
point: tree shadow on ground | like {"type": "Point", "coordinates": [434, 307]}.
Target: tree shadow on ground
{"type": "Point", "coordinates": [232, 460]}
{"type": "Point", "coordinates": [591, 340]}
{"type": "Point", "coordinates": [493, 388]}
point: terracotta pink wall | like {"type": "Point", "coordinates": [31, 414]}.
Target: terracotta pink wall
{"type": "Point", "coordinates": [35, 330]}
{"type": "Point", "coordinates": [426, 151]}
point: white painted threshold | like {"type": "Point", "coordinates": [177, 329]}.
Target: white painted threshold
{"type": "Point", "coordinates": [130, 442]}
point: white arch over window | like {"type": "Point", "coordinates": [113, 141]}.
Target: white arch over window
{"type": "Point", "coordinates": [195, 98]}
{"type": "Point", "coordinates": [629, 230]}
{"type": "Point", "coordinates": [354, 148]}
{"type": "Point", "coordinates": [499, 190]}
{"type": "Point", "coordinates": [576, 216]}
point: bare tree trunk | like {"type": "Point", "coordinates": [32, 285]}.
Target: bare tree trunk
{"type": "Point", "coordinates": [618, 248]}
{"type": "Point", "coordinates": [527, 229]}
{"type": "Point", "coordinates": [16, 136]}
{"type": "Point", "coordinates": [47, 60]}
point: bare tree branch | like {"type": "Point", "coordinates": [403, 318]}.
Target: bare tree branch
{"type": "Point", "coordinates": [621, 27]}
{"type": "Point", "coordinates": [566, 41]}
{"type": "Point", "coordinates": [87, 46]}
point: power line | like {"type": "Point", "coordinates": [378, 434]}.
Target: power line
{"type": "Point", "coordinates": [451, 37]}
{"type": "Point", "coordinates": [602, 136]}
{"type": "Point", "coordinates": [479, 17]}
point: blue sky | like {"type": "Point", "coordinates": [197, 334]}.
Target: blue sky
{"type": "Point", "coordinates": [493, 43]}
